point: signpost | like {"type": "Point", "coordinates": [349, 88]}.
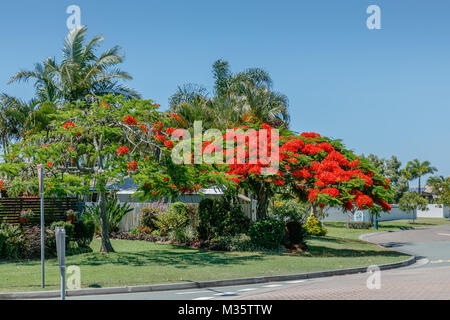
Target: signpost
{"type": "Point", "coordinates": [40, 169]}
{"type": "Point", "coordinates": [60, 234]}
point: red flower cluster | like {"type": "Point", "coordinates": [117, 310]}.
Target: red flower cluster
{"type": "Point", "coordinates": [157, 127]}
{"type": "Point", "coordinates": [363, 202]}
{"type": "Point", "coordinates": [143, 128]}
{"type": "Point", "coordinates": [68, 125]}
{"type": "Point", "coordinates": [129, 120]}
{"type": "Point", "coordinates": [49, 164]}
{"type": "Point", "coordinates": [168, 144]}
{"type": "Point", "coordinates": [131, 166]}
{"type": "Point", "coordinates": [175, 116]}
{"type": "Point", "coordinates": [2, 185]}
{"type": "Point", "coordinates": [122, 150]}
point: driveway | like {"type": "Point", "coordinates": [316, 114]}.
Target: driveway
{"type": "Point", "coordinates": [427, 279]}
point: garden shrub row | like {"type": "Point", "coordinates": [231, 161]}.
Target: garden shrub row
{"type": "Point", "coordinates": [24, 241]}
{"type": "Point", "coordinates": [220, 224]}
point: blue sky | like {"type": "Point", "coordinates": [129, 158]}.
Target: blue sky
{"type": "Point", "coordinates": [380, 91]}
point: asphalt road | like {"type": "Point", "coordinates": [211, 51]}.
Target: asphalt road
{"type": "Point", "coordinates": [427, 279]}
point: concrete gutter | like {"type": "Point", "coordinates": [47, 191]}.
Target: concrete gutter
{"type": "Point", "coordinates": [197, 285]}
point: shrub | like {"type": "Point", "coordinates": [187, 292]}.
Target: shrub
{"type": "Point", "coordinates": [290, 210]}
{"type": "Point", "coordinates": [32, 243]}
{"type": "Point", "coordinates": [172, 219]}
{"type": "Point", "coordinates": [149, 216]}
{"type": "Point", "coordinates": [294, 233]}
{"type": "Point", "coordinates": [143, 229]}
{"type": "Point", "coordinates": [183, 235]}
{"type": "Point", "coordinates": [360, 225]}
{"type": "Point", "coordinates": [192, 213]}
{"type": "Point", "coordinates": [239, 242]}
{"type": "Point", "coordinates": [84, 233]}
{"type": "Point", "coordinates": [267, 233]}
{"type": "Point", "coordinates": [221, 217]}
{"type": "Point", "coordinates": [314, 226]}
{"type": "Point", "coordinates": [11, 241]}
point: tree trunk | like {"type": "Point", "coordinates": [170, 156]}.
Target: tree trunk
{"type": "Point", "coordinates": [106, 243]}
{"type": "Point", "coordinates": [314, 210]}
{"type": "Point", "coordinates": [419, 186]}
{"type": "Point", "coordinates": [261, 210]}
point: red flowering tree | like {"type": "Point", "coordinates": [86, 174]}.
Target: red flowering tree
{"type": "Point", "coordinates": [310, 167]}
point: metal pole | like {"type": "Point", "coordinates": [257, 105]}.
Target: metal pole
{"type": "Point", "coordinates": [41, 190]}
{"type": "Point", "coordinates": [60, 234]}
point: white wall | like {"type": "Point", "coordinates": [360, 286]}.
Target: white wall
{"type": "Point", "coordinates": [434, 211]}
{"type": "Point", "coordinates": [335, 214]}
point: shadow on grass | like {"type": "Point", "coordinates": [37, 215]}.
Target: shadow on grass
{"type": "Point", "coordinates": [330, 239]}
{"type": "Point", "coordinates": [177, 259]}
{"type": "Point", "coordinates": [326, 252]}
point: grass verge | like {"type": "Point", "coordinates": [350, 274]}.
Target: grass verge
{"type": "Point", "coordinates": [144, 263]}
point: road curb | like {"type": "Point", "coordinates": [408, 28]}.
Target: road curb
{"type": "Point", "coordinates": [197, 285]}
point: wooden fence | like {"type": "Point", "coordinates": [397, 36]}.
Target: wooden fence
{"type": "Point", "coordinates": [54, 209]}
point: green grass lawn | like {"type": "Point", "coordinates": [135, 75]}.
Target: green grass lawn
{"type": "Point", "coordinates": [339, 230]}
{"type": "Point", "coordinates": [143, 263]}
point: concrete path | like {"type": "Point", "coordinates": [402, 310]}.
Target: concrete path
{"type": "Point", "coordinates": [428, 279]}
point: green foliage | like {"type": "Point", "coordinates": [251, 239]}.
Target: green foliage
{"type": "Point", "coordinates": [238, 242]}
{"type": "Point", "coordinates": [81, 72]}
{"type": "Point", "coordinates": [441, 189]}
{"type": "Point", "coordinates": [390, 168]}
{"type": "Point", "coordinates": [290, 210]}
{"type": "Point", "coordinates": [84, 233]}
{"type": "Point", "coordinates": [295, 233]}
{"type": "Point", "coordinates": [174, 218]}
{"type": "Point", "coordinates": [115, 211]}
{"type": "Point", "coordinates": [267, 233]}
{"type": "Point", "coordinates": [412, 201]}
{"type": "Point", "coordinates": [149, 216]}
{"type": "Point", "coordinates": [314, 226]}
{"type": "Point", "coordinates": [11, 241]}
{"type": "Point", "coordinates": [221, 217]}
{"type": "Point", "coordinates": [360, 225]}
{"type": "Point", "coordinates": [183, 235]}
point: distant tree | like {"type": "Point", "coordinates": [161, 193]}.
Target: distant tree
{"type": "Point", "coordinates": [441, 188]}
{"type": "Point", "coordinates": [411, 202]}
{"type": "Point", "coordinates": [391, 168]}
{"type": "Point", "coordinates": [416, 170]}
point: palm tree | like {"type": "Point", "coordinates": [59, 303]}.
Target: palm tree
{"type": "Point", "coordinates": [80, 74]}
{"type": "Point", "coordinates": [416, 169]}
{"type": "Point", "coordinates": [13, 115]}
{"type": "Point", "coordinates": [238, 99]}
